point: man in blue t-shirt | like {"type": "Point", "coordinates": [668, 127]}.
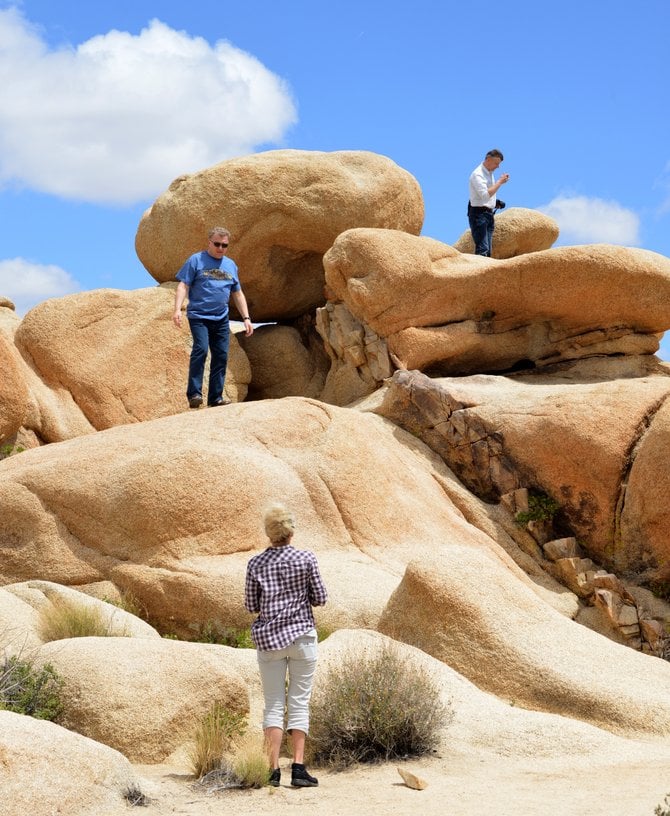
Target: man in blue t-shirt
{"type": "Point", "coordinates": [210, 280]}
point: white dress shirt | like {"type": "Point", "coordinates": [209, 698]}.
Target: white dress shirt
{"type": "Point", "coordinates": [480, 181]}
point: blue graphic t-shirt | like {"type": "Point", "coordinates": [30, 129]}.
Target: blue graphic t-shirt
{"type": "Point", "coordinates": [210, 282]}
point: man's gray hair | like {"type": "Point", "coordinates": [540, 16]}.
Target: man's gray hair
{"type": "Point", "coordinates": [219, 231]}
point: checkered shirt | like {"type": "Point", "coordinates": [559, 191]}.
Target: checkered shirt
{"type": "Point", "coordinates": [282, 585]}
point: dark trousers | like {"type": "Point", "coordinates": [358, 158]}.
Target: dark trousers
{"type": "Point", "coordinates": [214, 334]}
{"type": "Point", "coordinates": [482, 225]}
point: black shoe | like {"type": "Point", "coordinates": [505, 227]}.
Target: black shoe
{"type": "Point", "coordinates": [300, 778]}
{"type": "Point", "coordinates": [221, 401]}
{"type": "Point", "coordinates": [275, 778]}
{"type": "Point", "coordinates": [195, 402]}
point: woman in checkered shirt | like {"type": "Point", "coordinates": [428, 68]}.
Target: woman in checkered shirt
{"type": "Point", "coordinates": [282, 585]}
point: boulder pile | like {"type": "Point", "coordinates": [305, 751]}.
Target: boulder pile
{"type": "Point", "coordinates": [473, 447]}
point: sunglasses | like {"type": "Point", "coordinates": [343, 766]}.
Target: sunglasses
{"type": "Point", "coordinates": [219, 244]}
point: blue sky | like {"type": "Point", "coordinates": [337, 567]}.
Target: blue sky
{"type": "Point", "coordinates": [103, 104]}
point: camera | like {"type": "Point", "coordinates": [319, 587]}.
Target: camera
{"type": "Point", "coordinates": [500, 205]}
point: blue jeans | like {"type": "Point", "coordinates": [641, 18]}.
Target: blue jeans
{"type": "Point", "coordinates": [215, 335]}
{"type": "Point", "coordinates": [481, 227]}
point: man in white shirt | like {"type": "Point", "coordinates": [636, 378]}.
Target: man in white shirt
{"type": "Point", "coordinates": [483, 202]}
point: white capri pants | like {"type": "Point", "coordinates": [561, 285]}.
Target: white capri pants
{"type": "Point", "coordinates": [299, 658]}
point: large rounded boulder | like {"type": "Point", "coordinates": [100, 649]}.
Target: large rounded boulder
{"type": "Point", "coordinates": [170, 510]}
{"type": "Point", "coordinates": [284, 209]}
{"type": "Point", "coordinates": [517, 231]}
{"type": "Point", "coordinates": [13, 391]}
{"type": "Point", "coordinates": [118, 354]}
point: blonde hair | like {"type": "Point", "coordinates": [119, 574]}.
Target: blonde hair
{"type": "Point", "coordinates": [279, 523]}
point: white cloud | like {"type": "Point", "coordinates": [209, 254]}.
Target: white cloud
{"type": "Point", "coordinates": [117, 118]}
{"type": "Point", "coordinates": [26, 284]}
{"type": "Point", "coordinates": [585, 220]}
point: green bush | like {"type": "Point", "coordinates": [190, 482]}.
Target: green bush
{"type": "Point", "coordinates": [214, 735]}
{"type": "Point", "coordinates": [212, 632]}
{"type": "Point", "coordinates": [661, 589]}
{"type": "Point", "coordinates": [375, 708]}
{"type": "Point", "coordinates": [540, 508]}
{"type": "Point", "coordinates": [25, 689]}
{"type": "Point", "coordinates": [323, 632]}
{"type": "Point", "coordinates": [10, 450]}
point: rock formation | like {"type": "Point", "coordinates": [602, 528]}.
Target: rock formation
{"type": "Point", "coordinates": [117, 353]}
{"type": "Point", "coordinates": [36, 771]}
{"type": "Point", "coordinates": [466, 611]}
{"type": "Point", "coordinates": [94, 509]}
{"type": "Point", "coordinates": [283, 364]}
{"type": "Point", "coordinates": [441, 311]}
{"type": "Point", "coordinates": [284, 209]}
{"type": "Point", "coordinates": [517, 232]}
{"type": "Point", "coordinates": [13, 392]}
{"type": "Point", "coordinates": [545, 431]}
{"type": "Point", "coordinates": [142, 697]}
{"type": "Point", "coordinates": [414, 405]}
{"type": "Point", "coordinates": [97, 359]}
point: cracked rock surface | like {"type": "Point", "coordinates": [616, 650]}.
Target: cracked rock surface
{"type": "Point", "coordinates": [594, 442]}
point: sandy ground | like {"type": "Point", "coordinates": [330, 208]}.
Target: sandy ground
{"type": "Point", "coordinates": [461, 785]}
{"type": "Point", "coordinates": [493, 759]}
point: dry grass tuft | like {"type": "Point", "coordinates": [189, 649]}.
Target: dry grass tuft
{"type": "Point", "coordinates": [214, 736]}
{"type": "Point", "coordinates": [250, 762]}
{"type": "Point", "coordinates": [243, 764]}
{"type": "Point", "coordinates": [61, 619]}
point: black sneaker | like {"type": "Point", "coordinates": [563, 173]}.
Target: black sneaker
{"type": "Point", "coordinates": [300, 778]}
{"type": "Point", "coordinates": [221, 401]}
{"type": "Point", "coordinates": [275, 778]}
{"type": "Point", "coordinates": [195, 402]}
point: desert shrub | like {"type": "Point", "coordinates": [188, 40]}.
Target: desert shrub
{"type": "Point", "coordinates": [62, 619]}
{"type": "Point", "coordinates": [372, 708]}
{"type": "Point", "coordinates": [540, 508]}
{"type": "Point", "coordinates": [214, 735]}
{"type": "Point", "coordinates": [252, 770]}
{"type": "Point", "coordinates": [25, 689]}
{"type": "Point", "coordinates": [10, 450]}
{"type": "Point", "coordinates": [661, 589]}
{"type": "Point", "coordinates": [212, 632]}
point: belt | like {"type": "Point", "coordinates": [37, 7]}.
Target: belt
{"type": "Point", "coordinates": [480, 209]}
